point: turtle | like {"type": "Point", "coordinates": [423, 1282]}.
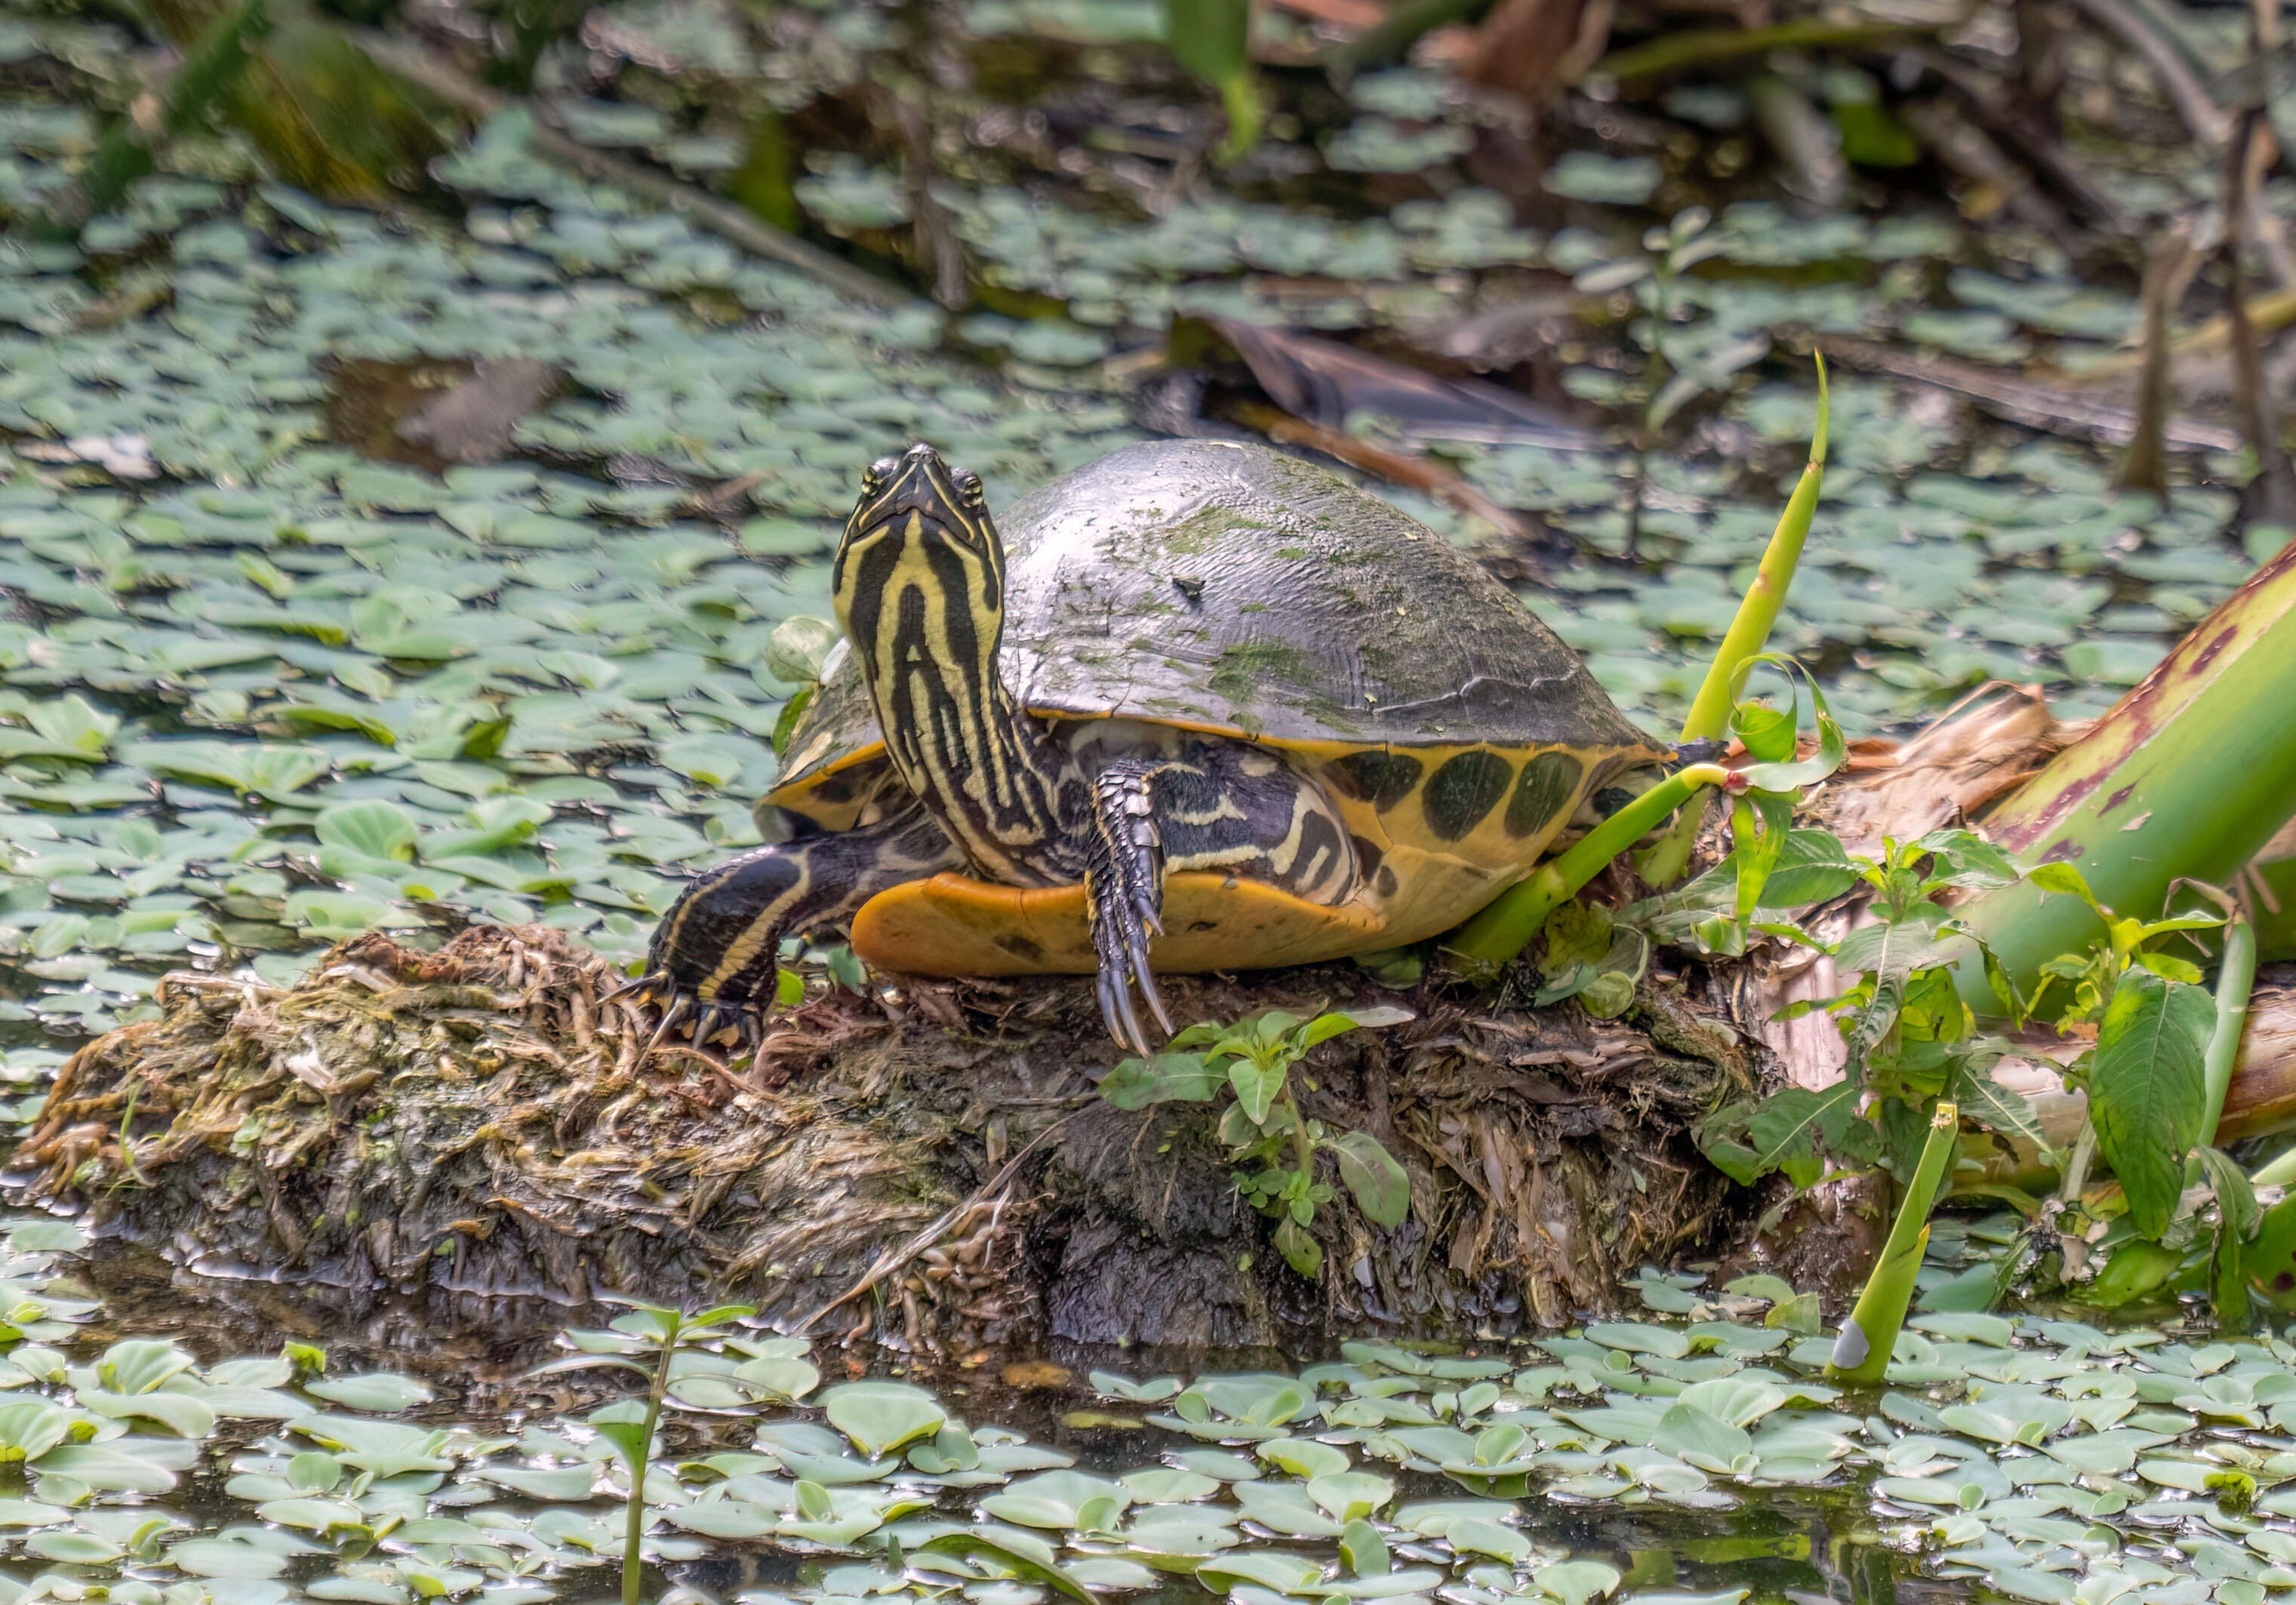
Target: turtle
{"type": "Point", "coordinates": [1197, 706]}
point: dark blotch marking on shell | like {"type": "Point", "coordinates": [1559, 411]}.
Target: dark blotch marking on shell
{"type": "Point", "coordinates": [1544, 790]}
{"type": "Point", "coordinates": [1384, 883]}
{"type": "Point", "coordinates": [1460, 793]}
{"type": "Point", "coordinates": [1367, 856]}
{"type": "Point", "coordinates": [1379, 778]}
{"type": "Point", "coordinates": [1020, 946]}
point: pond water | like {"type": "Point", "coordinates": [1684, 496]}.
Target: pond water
{"type": "Point", "coordinates": [272, 675]}
{"type": "Point", "coordinates": [1695, 1456]}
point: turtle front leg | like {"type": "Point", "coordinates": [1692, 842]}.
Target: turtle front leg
{"type": "Point", "coordinates": [1219, 805]}
{"type": "Point", "coordinates": [1124, 880]}
{"type": "Point", "coordinates": [715, 953]}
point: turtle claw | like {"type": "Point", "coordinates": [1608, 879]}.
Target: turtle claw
{"type": "Point", "coordinates": [714, 1017]}
{"type": "Point", "coordinates": [652, 981]}
{"type": "Point", "coordinates": [1116, 1009]}
{"type": "Point", "coordinates": [679, 1005]}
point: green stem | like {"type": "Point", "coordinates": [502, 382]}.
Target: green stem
{"type": "Point", "coordinates": [1239, 94]}
{"type": "Point", "coordinates": [2075, 1179]}
{"type": "Point", "coordinates": [2234, 980]}
{"type": "Point", "coordinates": [1393, 37]}
{"type": "Point", "coordinates": [1750, 631]}
{"type": "Point", "coordinates": [1492, 938]}
{"type": "Point", "coordinates": [633, 1531]}
{"type": "Point", "coordinates": [1677, 51]}
{"type": "Point", "coordinates": [2279, 1171]}
{"type": "Point", "coordinates": [1303, 1152]}
{"type": "Point", "coordinates": [1861, 1352]}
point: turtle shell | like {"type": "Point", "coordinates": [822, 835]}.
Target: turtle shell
{"type": "Point", "coordinates": [1227, 588]}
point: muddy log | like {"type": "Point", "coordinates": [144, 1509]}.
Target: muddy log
{"type": "Point", "coordinates": [484, 1119]}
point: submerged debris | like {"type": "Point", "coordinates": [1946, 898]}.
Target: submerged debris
{"type": "Point", "coordinates": [486, 1119]}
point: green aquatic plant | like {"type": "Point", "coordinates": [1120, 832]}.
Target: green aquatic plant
{"type": "Point", "coordinates": [658, 1336]}
{"type": "Point", "coordinates": [1273, 1145]}
{"type": "Point", "coordinates": [2184, 779]}
{"type": "Point", "coordinates": [1494, 936]}
{"type": "Point", "coordinates": [1868, 1337]}
{"type": "Point", "coordinates": [1742, 644]}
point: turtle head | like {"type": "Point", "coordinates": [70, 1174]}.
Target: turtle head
{"type": "Point", "coordinates": [919, 559]}
{"type": "Point", "coordinates": [930, 501]}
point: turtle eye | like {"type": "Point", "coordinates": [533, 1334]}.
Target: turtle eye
{"type": "Point", "coordinates": [876, 473]}
{"type": "Point", "coordinates": [968, 486]}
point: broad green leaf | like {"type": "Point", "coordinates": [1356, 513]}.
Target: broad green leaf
{"type": "Point", "coordinates": [782, 1377]}
{"type": "Point", "coordinates": [1351, 1495]}
{"type": "Point", "coordinates": [724, 1518]}
{"type": "Point", "coordinates": [1255, 1087]}
{"type": "Point", "coordinates": [1380, 1187]}
{"type": "Point", "coordinates": [2000, 1108]}
{"type": "Point", "coordinates": [1327, 1025]}
{"type": "Point", "coordinates": [1364, 1551]}
{"type": "Point", "coordinates": [1166, 1078]}
{"type": "Point", "coordinates": [227, 1558]}
{"type": "Point", "coordinates": [1304, 1457]}
{"type": "Point", "coordinates": [1692, 1435]}
{"type": "Point", "coordinates": [880, 1416]}
{"type": "Point", "coordinates": [555, 1484]}
{"type": "Point", "coordinates": [2146, 1089]}
{"type": "Point", "coordinates": [1059, 1500]}
{"type": "Point", "coordinates": [2065, 881]}
{"type": "Point", "coordinates": [376, 827]}
{"type": "Point", "coordinates": [78, 1549]}
{"type": "Point", "coordinates": [383, 1392]}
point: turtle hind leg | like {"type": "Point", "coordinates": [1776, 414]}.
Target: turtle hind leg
{"type": "Point", "coordinates": [1220, 805]}
{"type": "Point", "coordinates": [715, 954]}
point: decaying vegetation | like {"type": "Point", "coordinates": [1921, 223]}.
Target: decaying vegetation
{"type": "Point", "coordinates": [481, 1118]}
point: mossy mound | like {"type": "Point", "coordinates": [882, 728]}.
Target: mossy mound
{"type": "Point", "coordinates": [929, 1162]}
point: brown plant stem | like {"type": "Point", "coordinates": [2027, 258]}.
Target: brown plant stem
{"type": "Point", "coordinates": [2144, 466]}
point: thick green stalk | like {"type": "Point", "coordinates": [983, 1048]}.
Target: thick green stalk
{"type": "Point", "coordinates": [1742, 642]}
{"type": "Point", "coordinates": [1493, 937]}
{"type": "Point", "coordinates": [2235, 979]}
{"type": "Point", "coordinates": [2185, 779]}
{"type": "Point", "coordinates": [1861, 1352]}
